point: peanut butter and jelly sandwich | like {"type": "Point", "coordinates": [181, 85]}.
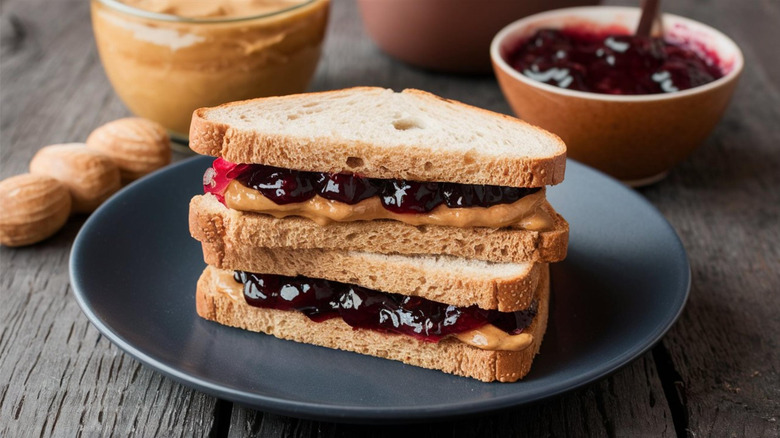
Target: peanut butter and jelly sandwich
{"type": "Point", "coordinates": [399, 225]}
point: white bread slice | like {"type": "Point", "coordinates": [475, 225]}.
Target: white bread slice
{"type": "Point", "coordinates": [507, 287]}
{"type": "Point", "coordinates": [379, 133]}
{"type": "Point", "coordinates": [213, 223]}
{"type": "Point", "coordinates": [448, 355]}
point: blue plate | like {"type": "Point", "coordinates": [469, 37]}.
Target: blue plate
{"type": "Point", "coordinates": [134, 266]}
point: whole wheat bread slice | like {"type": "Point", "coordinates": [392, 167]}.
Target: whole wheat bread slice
{"type": "Point", "coordinates": [379, 133]}
{"type": "Point", "coordinates": [448, 355]}
{"type": "Point", "coordinates": [507, 287]}
{"type": "Point", "coordinates": [213, 223]}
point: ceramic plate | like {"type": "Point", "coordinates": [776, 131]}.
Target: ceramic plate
{"type": "Point", "coordinates": [134, 267]}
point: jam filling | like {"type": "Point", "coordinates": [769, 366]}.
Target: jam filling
{"type": "Point", "coordinates": [285, 186]}
{"type": "Point", "coordinates": [605, 63]}
{"type": "Point", "coordinates": [364, 308]}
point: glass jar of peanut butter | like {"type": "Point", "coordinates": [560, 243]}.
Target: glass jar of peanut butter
{"type": "Point", "coordinates": [166, 58]}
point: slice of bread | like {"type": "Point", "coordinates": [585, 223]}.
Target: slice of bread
{"type": "Point", "coordinates": [448, 355]}
{"type": "Point", "coordinates": [213, 223]}
{"type": "Point", "coordinates": [507, 287]}
{"type": "Point", "coordinates": [379, 133]}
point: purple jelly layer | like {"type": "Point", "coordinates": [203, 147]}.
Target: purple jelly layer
{"type": "Point", "coordinates": [598, 62]}
{"type": "Point", "coordinates": [285, 186]}
{"type": "Point", "coordinates": [369, 309]}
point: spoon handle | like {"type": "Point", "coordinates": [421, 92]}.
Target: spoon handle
{"type": "Point", "coordinates": [648, 17]}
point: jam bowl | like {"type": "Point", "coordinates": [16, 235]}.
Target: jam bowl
{"type": "Point", "coordinates": [598, 105]}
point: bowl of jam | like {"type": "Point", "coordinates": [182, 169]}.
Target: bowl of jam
{"type": "Point", "coordinates": [630, 106]}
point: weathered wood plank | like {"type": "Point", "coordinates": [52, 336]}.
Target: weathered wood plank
{"type": "Point", "coordinates": [58, 376]}
{"type": "Point", "coordinates": [630, 403]}
{"type": "Point", "coordinates": [725, 204]}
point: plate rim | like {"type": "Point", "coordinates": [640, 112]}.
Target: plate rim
{"type": "Point", "coordinates": [355, 414]}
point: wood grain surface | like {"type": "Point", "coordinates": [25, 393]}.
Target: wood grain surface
{"type": "Point", "coordinates": [714, 374]}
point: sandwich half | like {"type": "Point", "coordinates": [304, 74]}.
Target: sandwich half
{"type": "Point", "coordinates": [469, 341]}
{"type": "Point", "coordinates": [369, 169]}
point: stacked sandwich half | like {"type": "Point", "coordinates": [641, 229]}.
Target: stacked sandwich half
{"type": "Point", "coordinates": [399, 225]}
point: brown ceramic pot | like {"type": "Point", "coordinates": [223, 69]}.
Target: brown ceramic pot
{"type": "Point", "coordinates": [636, 139]}
{"type": "Point", "coordinates": [446, 35]}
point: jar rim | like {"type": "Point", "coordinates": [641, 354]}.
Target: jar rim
{"type": "Point", "coordinates": [142, 13]}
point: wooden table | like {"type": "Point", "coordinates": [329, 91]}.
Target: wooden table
{"type": "Point", "coordinates": [714, 374]}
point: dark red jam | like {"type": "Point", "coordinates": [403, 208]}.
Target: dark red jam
{"type": "Point", "coordinates": [285, 186]}
{"type": "Point", "coordinates": [369, 309]}
{"type": "Point", "coordinates": [583, 60]}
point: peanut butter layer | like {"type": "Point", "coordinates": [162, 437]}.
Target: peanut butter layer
{"type": "Point", "coordinates": [487, 337]}
{"type": "Point", "coordinates": [490, 337]}
{"type": "Point", "coordinates": [526, 212]}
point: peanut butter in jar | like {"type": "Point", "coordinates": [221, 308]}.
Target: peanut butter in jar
{"type": "Point", "coordinates": [166, 58]}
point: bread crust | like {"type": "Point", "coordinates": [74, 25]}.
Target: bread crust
{"type": "Point", "coordinates": [213, 223]}
{"type": "Point", "coordinates": [401, 275]}
{"type": "Point", "coordinates": [448, 355]}
{"type": "Point", "coordinates": [415, 162]}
